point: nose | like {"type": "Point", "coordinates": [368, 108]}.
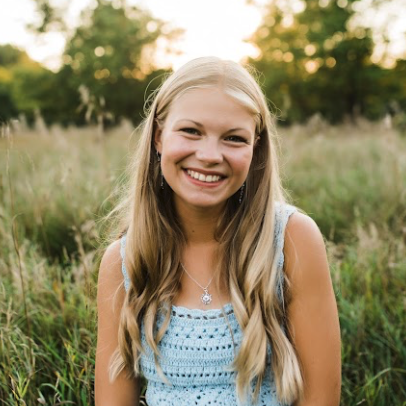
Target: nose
{"type": "Point", "coordinates": [209, 151]}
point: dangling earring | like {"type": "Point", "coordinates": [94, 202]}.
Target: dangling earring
{"type": "Point", "coordinates": [162, 181]}
{"type": "Point", "coordinates": [158, 157]}
{"type": "Point", "coordinates": [242, 188]}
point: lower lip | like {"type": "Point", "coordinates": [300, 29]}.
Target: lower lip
{"type": "Point", "coordinates": [205, 184]}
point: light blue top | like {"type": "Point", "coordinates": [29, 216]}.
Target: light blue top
{"type": "Point", "coordinates": [197, 348]}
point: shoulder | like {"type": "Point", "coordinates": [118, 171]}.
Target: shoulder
{"type": "Point", "coordinates": [110, 275]}
{"type": "Point", "coordinates": [312, 311]}
{"type": "Point", "coordinates": [301, 228]}
{"type": "Point", "coordinates": [111, 258]}
{"type": "Point", "coordinates": [305, 253]}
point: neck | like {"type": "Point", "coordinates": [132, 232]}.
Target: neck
{"type": "Point", "coordinates": [199, 224]}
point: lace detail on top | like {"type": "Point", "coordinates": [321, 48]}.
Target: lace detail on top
{"type": "Point", "coordinates": [197, 349]}
{"type": "Point", "coordinates": [199, 314]}
{"type": "Point", "coordinates": [196, 352]}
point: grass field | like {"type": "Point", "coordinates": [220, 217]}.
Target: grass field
{"type": "Point", "coordinates": [55, 187]}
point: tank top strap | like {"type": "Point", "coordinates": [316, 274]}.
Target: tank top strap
{"type": "Point", "coordinates": [123, 268]}
{"type": "Point", "coordinates": [282, 215]}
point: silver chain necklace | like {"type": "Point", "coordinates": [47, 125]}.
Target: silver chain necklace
{"type": "Point", "coordinates": [206, 297]}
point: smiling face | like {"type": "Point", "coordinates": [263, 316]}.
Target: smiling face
{"type": "Point", "coordinates": [206, 145]}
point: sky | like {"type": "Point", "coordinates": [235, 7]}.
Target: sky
{"type": "Point", "coordinates": [204, 21]}
{"type": "Point", "coordinates": [202, 26]}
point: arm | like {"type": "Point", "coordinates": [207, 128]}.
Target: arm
{"type": "Point", "coordinates": [123, 391]}
{"type": "Point", "coordinates": [312, 313]}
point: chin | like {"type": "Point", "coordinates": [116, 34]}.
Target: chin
{"type": "Point", "coordinates": [207, 204]}
{"type": "Point", "coordinates": [202, 203]}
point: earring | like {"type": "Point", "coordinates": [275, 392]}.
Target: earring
{"type": "Point", "coordinates": [158, 156]}
{"type": "Point", "coordinates": [242, 188]}
{"type": "Point", "coordinates": [162, 181]}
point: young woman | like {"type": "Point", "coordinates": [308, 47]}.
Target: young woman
{"type": "Point", "coordinates": [216, 291]}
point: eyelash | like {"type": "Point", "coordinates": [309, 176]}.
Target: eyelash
{"type": "Point", "coordinates": [189, 130]}
{"type": "Point", "coordinates": [238, 138]}
{"type": "Point", "coordinates": [186, 130]}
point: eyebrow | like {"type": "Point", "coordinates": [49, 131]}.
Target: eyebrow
{"type": "Point", "coordinates": [201, 125]}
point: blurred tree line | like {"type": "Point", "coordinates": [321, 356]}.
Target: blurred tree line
{"type": "Point", "coordinates": [107, 68]}
{"type": "Point", "coordinates": [315, 61]}
{"type": "Point", "coordinates": [312, 60]}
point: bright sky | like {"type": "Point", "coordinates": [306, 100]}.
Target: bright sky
{"type": "Point", "coordinates": [204, 22]}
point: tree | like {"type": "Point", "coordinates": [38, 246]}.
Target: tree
{"type": "Point", "coordinates": [111, 56]}
{"type": "Point", "coordinates": [20, 81]}
{"type": "Point", "coordinates": [8, 108]}
{"type": "Point", "coordinates": [314, 61]}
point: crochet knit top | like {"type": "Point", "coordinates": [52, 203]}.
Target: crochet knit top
{"type": "Point", "coordinates": [198, 347]}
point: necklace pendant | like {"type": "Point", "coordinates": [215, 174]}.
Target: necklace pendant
{"type": "Point", "coordinates": [206, 297]}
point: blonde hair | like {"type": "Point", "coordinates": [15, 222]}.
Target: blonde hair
{"type": "Point", "coordinates": [245, 235]}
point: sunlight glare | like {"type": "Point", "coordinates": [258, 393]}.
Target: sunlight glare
{"type": "Point", "coordinates": [211, 27]}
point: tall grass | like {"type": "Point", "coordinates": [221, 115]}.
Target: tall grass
{"type": "Point", "coordinates": [54, 188]}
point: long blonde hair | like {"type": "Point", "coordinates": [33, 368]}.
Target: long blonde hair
{"type": "Point", "coordinates": [245, 235]}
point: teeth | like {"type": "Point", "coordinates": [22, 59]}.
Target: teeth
{"type": "Point", "coordinates": [203, 178]}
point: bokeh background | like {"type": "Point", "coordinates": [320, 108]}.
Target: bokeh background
{"type": "Point", "coordinates": [75, 77]}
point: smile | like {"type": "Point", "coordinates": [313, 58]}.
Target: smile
{"type": "Point", "coordinates": [203, 178]}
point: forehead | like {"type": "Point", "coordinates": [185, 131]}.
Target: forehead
{"type": "Point", "coordinates": [210, 106]}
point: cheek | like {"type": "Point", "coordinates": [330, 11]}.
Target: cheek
{"type": "Point", "coordinates": [174, 151]}
{"type": "Point", "coordinates": [242, 161]}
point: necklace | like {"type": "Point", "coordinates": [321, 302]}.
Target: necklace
{"type": "Point", "coordinates": [206, 297]}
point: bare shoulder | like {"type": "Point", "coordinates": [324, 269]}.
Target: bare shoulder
{"type": "Point", "coordinates": [110, 285]}
{"type": "Point", "coordinates": [312, 312]}
{"type": "Point", "coordinates": [110, 265]}
{"type": "Point", "coordinates": [304, 249]}
{"type": "Point", "coordinates": [111, 257]}
{"type": "Point", "coordinates": [302, 228]}
{"type": "Point", "coordinates": [110, 300]}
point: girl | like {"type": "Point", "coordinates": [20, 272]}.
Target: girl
{"type": "Point", "coordinates": [216, 291]}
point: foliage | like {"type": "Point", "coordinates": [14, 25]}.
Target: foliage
{"type": "Point", "coordinates": [11, 56]}
{"type": "Point", "coordinates": [110, 54]}
{"type": "Point", "coordinates": [315, 61]}
{"type": "Point", "coordinates": [15, 67]}
{"type": "Point", "coordinates": [29, 98]}
{"type": "Point", "coordinates": [50, 17]}
{"type": "Point", "coordinates": [349, 179]}
{"type": "Point", "coordinates": [8, 109]}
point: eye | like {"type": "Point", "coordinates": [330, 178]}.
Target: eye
{"type": "Point", "coordinates": [190, 130]}
{"type": "Point", "coordinates": [236, 138]}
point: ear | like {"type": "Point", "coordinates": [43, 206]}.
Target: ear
{"type": "Point", "coordinates": [158, 138]}
{"type": "Point", "coordinates": [257, 138]}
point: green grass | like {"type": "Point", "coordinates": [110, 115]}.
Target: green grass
{"type": "Point", "coordinates": [53, 190]}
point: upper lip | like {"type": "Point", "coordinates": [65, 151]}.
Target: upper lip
{"type": "Point", "coordinates": [205, 172]}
